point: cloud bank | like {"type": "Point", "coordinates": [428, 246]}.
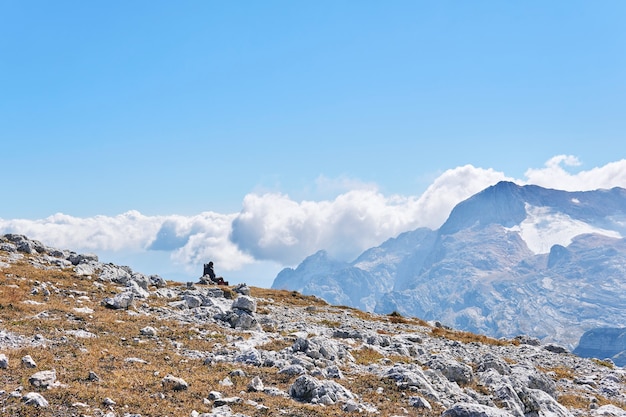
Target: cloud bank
{"type": "Point", "coordinates": [272, 227]}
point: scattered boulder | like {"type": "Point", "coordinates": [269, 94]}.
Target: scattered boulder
{"type": "Point", "coordinates": [242, 289]}
{"type": "Point", "coordinates": [540, 403]}
{"type": "Point", "coordinates": [491, 361]}
{"type": "Point", "coordinates": [28, 362]}
{"type": "Point", "coordinates": [555, 348]}
{"type": "Point", "coordinates": [157, 281]}
{"type": "Point", "coordinates": [256, 385]}
{"type": "Point", "coordinates": [93, 377]}
{"type": "Point", "coordinates": [148, 331]}
{"type": "Point", "coordinates": [245, 303]}
{"type": "Point", "coordinates": [121, 301]}
{"type": "Point", "coordinates": [311, 390]}
{"type": "Point", "coordinates": [35, 399]}
{"type": "Point", "coordinates": [474, 410]}
{"type": "Point", "coordinates": [43, 379]}
{"type": "Point", "coordinates": [172, 383]}
{"type": "Point", "coordinates": [454, 371]}
{"type": "Point", "coordinates": [609, 410]}
{"type": "Point", "coordinates": [4, 361]}
{"type": "Point", "coordinates": [419, 402]}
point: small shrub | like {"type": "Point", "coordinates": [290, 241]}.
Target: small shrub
{"type": "Point", "coordinates": [330, 323]}
{"type": "Point", "coordinates": [366, 355]}
{"type": "Point", "coordinates": [467, 337]}
{"type": "Point", "coordinates": [600, 362]}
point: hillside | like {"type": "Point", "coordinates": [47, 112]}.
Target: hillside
{"type": "Point", "coordinates": [509, 260]}
{"type": "Point", "coordinates": [79, 337]}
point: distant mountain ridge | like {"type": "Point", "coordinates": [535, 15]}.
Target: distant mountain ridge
{"type": "Point", "coordinates": [509, 260]}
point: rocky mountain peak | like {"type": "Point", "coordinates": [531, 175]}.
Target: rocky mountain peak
{"type": "Point", "coordinates": [501, 204]}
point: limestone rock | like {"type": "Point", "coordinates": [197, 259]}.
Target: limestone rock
{"type": "Point", "coordinates": [35, 399]}
{"type": "Point", "coordinates": [43, 379]}
{"type": "Point", "coordinates": [173, 383]}
{"type": "Point", "coordinates": [245, 303]}
{"type": "Point", "coordinates": [256, 385]}
{"type": "Point", "coordinates": [474, 410]}
{"type": "Point", "coordinates": [604, 343]}
{"type": "Point", "coordinates": [121, 301]}
{"type": "Point", "coordinates": [4, 361]}
{"type": "Point", "coordinates": [309, 389]}
{"type": "Point", "coordinates": [28, 362]}
{"type": "Point", "coordinates": [148, 331]}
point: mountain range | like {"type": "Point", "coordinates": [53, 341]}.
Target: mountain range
{"type": "Point", "coordinates": [509, 260]}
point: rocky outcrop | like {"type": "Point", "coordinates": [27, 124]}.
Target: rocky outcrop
{"type": "Point", "coordinates": [604, 343]}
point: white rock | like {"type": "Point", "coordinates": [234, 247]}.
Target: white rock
{"type": "Point", "coordinates": [35, 399]}
{"type": "Point", "coordinates": [172, 383]}
{"type": "Point", "coordinates": [256, 385]}
{"type": "Point", "coordinates": [83, 310]}
{"type": "Point", "coordinates": [28, 362]}
{"type": "Point", "coordinates": [148, 331]}
{"type": "Point", "coordinates": [4, 361]}
{"type": "Point", "coordinates": [474, 410]}
{"type": "Point", "coordinates": [43, 379]}
{"type": "Point", "coordinates": [245, 303]}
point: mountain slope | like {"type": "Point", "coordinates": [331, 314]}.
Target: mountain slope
{"type": "Point", "coordinates": [79, 337]}
{"type": "Point", "coordinates": [360, 283]}
{"type": "Point", "coordinates": [509, 260]}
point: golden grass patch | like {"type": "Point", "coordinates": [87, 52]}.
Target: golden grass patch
{"type": "Point", "coordinates": [467, 337]}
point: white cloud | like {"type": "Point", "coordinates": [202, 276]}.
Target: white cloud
{"type": "Point", "coordinates": [127, 231]}
{"type": "Point", "coordinates": [272, 226]}
{"type": "Point", "coordinates": [190, 240]}
{"type": "Point", "coordinates": [452, 187]}
{"type": "Point", "coordinates": [554, 175]}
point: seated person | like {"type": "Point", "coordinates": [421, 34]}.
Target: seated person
{"type": "Point", "coordinates": [208, 270]}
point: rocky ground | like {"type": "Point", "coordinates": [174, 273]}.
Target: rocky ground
{"type": "Point", "coordinates": [82, 338]}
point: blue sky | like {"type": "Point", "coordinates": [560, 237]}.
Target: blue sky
{"type": "Point", "coordinates": [235, 130]}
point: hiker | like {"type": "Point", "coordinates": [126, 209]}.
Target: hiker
{"type": "Point", "coordinates": [208, 270]}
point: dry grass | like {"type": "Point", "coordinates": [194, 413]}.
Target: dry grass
{"type": "Point", "coordinates": [583, 400]}
{"type": "Point", "coordinates": [559, 372]}
{"type": "Point", "coordinates": [330, 323]}
{"type": "Point", "coordinates": [130, 385]}
{"type": "Point", "coordinates": [468, 337]}
{"type": "Point", "coordinates": [276, 345]}
{"type": "Point", "coordinates": [136, 387]}
{"type": "Point", "coordinates": [600, 362]}
{"type": "Point", "coordinates": [284, 297]}
{"type": "Point", "coordinates": [366, 355]}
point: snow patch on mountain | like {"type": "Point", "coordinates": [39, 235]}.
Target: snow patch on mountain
{"type": "Point", "coordinates": [544, 228]}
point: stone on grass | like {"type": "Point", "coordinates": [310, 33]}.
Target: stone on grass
{"type": "Point", "coordinates": [148, 331]}
{"type": "Point", "coordinates": [172, 383]}
{"type": "Point", "coordinates": [256, 385]}
{"type": "Point", "coordinates": [35, 399]}
{"type": "Point", "coordinates": [108, 402]}
{"type": "Point", "coordinates": [419, 402]}
{"type": "Point", "coordinates": [4, 361]}
{"type": "Point", "coordinates": [43, 379]}
{"type": "Point", "coordinates": [474, 410]}
{"type": "Point", "coordinates": [120, 301]}
{"type": "Point", "coordinates": [309, 389]}
{"type": "Point", "coordinates": [28, 362]}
